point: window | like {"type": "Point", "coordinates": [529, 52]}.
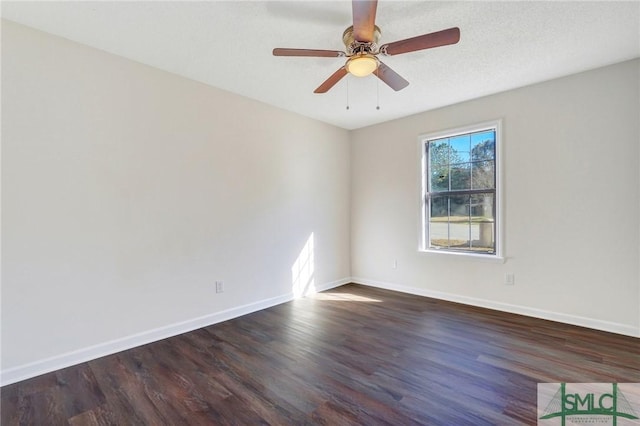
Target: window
{"type": "Point", "coordinates": [461, 198]}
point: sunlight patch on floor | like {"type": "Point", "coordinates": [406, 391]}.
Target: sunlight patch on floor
{"type": "Point", "coordinates": [344, 297]}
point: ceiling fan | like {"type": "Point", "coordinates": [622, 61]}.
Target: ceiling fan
{"type": "Point", "coordinates": [362, 50]}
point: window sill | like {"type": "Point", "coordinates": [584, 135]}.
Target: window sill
{"type": "Point", "coordinates": [490, 258]}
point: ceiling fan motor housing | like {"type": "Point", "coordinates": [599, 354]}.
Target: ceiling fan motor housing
{"type": "Point", "coordinates": [354, 46]}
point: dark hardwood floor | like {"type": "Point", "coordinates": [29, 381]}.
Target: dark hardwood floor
{"type": "Point", "coordinates": [352, 355]}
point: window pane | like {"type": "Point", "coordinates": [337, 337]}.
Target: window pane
{"type": "Point", "coordinates": [439, 165]}
{"type": "Point", "coordinates": [483, 175]}
{"type": "Point", "coordinates": [459, 221]}
{"type": "Point", "coordinates": [439, 222]}
{"type": "Point", "coordinates": [439, 179]}
{"type": "Point", "coordinates": [439, 208]}
{"type": "Point", "coordinates": [461, 176]}
{"type": "Point", "coordinates": [483, 237]}
{"type": "Point", "coordinates": [482, 207]}
{"type": "Point", "coordinates": [483, 234]}
{"type": "Point", "coordinates": [483, 146]}
{"type": "Point", "coordinates": [460, 149]}
{"type": "Point", "coordinates": [459, 224]}
{"type": "Point", "coordinates": [459, 208]}
{"type": "Point", "coordinates": [439, 153]}
{"type": "Point", "coordinates": [459, 234]}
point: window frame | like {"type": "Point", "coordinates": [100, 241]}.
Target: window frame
{"type": "Point", "coordinates": [424, 239]}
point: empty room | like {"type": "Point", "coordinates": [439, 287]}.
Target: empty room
{"type": "Point", "coordinates": [320, 212]}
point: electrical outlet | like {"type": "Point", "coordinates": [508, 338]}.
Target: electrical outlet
{"type": "Point", "coordinates": [509, 279]}
{"type": "Point", "coordinates": [219, 287]}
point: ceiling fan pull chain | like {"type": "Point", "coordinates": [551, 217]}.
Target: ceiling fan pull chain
{"type": "Point", "coordinates": [347, 80]}
{"type": "Point", "coordinates": [377, 93]}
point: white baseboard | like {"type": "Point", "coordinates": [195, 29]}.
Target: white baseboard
{"type": "Point", "coordinates": [333, 284]}
{"type": "Point", "coordinates": [33, 369]}
{"type": "Point", "coordinates": [596, 324]}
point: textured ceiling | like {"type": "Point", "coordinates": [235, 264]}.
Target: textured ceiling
{"type": "Point", "coordinates": [228, 44]}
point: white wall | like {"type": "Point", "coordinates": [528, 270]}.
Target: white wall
{"type": "Point", "coordinates": [572, 197]}
{"type": "Point", "coordinates": [127, 191]}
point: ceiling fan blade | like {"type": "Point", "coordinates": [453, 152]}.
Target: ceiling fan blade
{"type": "Point", "coordinates": [331, 81]}
{"type": "Point", "coordinates": [364, 19]}
{"type": "Point", "coordinates": [308, 52]}
{"type": "Point", "coordinates": [426, 41]}
{"type": "Point", "coordinates": [390, 77]}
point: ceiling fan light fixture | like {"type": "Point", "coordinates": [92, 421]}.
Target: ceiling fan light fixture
{"type": "Point", "coordinates": [362, 65]}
